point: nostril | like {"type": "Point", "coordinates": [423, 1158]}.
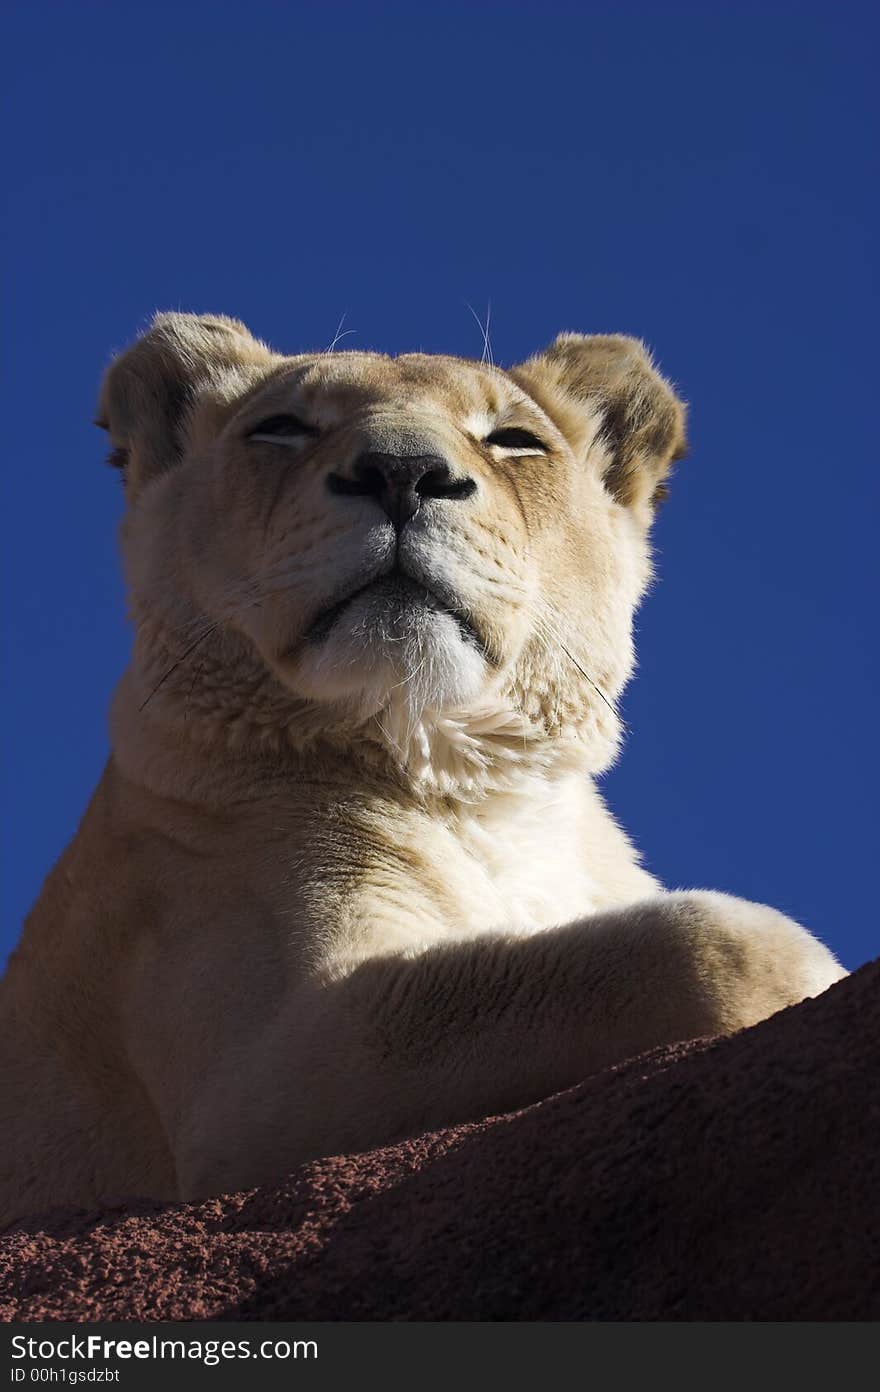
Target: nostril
{"type": "Point", "coordinates": [371, 479]}
{"type": "Point", "coordinates": [438, 483]}
{"type": "Point", "coordinates": [368, 482]}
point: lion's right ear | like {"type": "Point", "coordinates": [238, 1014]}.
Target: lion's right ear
{"type": "Point", "coordinates": [149, 391]}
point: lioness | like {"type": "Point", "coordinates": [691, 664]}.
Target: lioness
{"type": "Point", "coordinates": [346, 876]}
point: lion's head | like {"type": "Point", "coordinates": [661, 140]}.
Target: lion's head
{"type": "Point", "coordinates": [349, 545]}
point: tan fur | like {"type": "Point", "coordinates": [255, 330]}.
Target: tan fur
{"type": "Point", "coordinates": [347, 875]}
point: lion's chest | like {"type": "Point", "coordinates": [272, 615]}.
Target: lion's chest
{"type": "Point", "coordinates": [522, 863]}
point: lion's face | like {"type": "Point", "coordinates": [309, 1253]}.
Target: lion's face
{"type": "Point", "coordinates": [393, 539]}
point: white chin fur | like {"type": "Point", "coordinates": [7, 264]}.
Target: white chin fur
{"type": "Point", "coordinates": [416, 658]}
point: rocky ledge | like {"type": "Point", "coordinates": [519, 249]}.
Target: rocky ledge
{"type": "Point", "coordinates": [728, 1179]}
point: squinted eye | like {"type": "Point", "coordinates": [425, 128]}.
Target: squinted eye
{"type": "Point", "coordinates": [523, 441]}
{"type": "Point", "coordinates": [281, 430]}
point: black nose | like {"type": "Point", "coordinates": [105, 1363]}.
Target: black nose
{"type": "Point", "coordinates": [400, 483]}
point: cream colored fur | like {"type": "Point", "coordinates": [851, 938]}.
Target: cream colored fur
{"type": "Point", "coordinates": [347, 875]}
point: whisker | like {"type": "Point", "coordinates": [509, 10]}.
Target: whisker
{"type": "Point", "coordinates": [338, 335]}
{"type": "Point", "coordinates": [174, 666]}
{"type": "Point", "coordinates": [196, 675]}
{"type": "Point", "coordinates": [550, 622]}
{"type": "Point", "coordinates": [598, 690]}
{"type": "Point", "coordinates": [484, 330]}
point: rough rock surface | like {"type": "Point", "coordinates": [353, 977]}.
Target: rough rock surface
{"type": "Point", "coordinates": [733, 1179]}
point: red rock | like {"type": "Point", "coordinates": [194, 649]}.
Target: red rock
{"type": "Point", "coordinates": [733, 1179]}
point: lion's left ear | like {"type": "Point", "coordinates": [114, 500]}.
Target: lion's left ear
{"type": "Point", "coordinates": [602, 390]}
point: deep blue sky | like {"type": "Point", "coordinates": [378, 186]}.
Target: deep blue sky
{"type": "Point", "coordinates": [700, 175]}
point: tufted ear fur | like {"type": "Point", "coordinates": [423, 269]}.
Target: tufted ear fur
{"type": "Point", "coordinates": [602, 389]}
{"type": "Point", "coordinates": [149, 391]}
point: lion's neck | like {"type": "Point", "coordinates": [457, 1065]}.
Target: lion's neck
{"type": "Point", "coordinates": [508, 829]}
{"type": "Point", "coordinates": [203, 749]}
